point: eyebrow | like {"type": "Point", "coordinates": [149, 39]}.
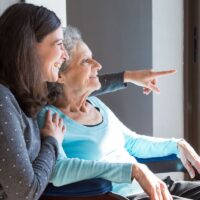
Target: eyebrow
{"type": "Point", "coordinates": [57, 40]}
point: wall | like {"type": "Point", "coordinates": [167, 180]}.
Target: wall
{"type": "Point", "coordinates": [58, 6]}
{"type": "Point", "coordinates": [137, 34]}
{"type": "Point", "coordinates": [6, 3]}
{"type": "Point", "coordinates": [119, 32]}
{"type": "Point", "coordinates": [168, 52]}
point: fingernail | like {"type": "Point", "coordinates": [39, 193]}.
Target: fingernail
{"type": "Point", "coordinates": [192, 175]}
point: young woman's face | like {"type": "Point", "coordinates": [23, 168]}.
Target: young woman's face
{"type": "Point", "coordinates": [82, 73]}
{"type": "Point", "coordinates": [52, 54]}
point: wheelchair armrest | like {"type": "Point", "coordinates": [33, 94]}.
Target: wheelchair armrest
{"type": "Point", "coordinates": [164, 164]}
{"type": "Point", "coordinates": [91, 187]}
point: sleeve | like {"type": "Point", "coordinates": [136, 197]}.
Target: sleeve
{"type": "Point", "coordinates": [70, 170]}
{"type": "Point", "coordinates": [110, 83]}
{"type": "Point", "coordinates": [143, 146]}
{"type": "Point", "coordinates": [19, 177]}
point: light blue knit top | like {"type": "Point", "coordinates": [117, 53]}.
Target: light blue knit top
{"type": "Point", "coordinates": [106, 150]}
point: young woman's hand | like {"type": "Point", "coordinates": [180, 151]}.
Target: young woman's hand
{"type": "Point", "coordinates": [151, 184]}
{"type": "Point", "coordinates": [146, 79]}
{"type": "Point", "coordinates": [53, 126]}
{"type": "Point", "coordinates": [189, 157]}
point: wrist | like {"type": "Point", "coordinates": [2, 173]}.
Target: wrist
{"type": "Point", "coordinates": [180, 143]}
{"type": "Point", "coordinates": [136, 170]}
{"type": "Point", "coordinates": [128, 76]}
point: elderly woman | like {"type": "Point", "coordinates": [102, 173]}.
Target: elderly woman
{"type": "Point", "coordinates": [97, 143]}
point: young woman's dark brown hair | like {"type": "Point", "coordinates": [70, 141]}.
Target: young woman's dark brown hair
{"type": "Point", "coordinates": [21, 27]}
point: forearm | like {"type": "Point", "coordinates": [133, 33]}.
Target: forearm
{"type": "Point", "coordinates": [143, 146]}
{"type": "Point", "coordinates": [70, 170]}
{"type": "Point", "coordinates": [31, 178]}
{"type": "Point", "coordinates": [146, 147]}
{"type": "Point", "coordinates": [44, 164]}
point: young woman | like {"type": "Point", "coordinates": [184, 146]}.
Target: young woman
{"type": "Point", "coordinates": [31, 53]}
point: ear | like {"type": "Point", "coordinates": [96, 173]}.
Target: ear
{"type": "Point", "coordinates": [60, 78]}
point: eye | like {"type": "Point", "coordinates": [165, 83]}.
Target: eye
{"type": "Point", "coordinates": [85, 60]}
{"type": "Point", "coordinates": [60, 44]}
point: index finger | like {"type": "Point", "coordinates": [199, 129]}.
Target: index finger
{"type": "Point", "coordinates": [163, 73]}
{"type": "Point", "coordinates": [48, 116]}
{"type": "Point", "coordinates": [196, 164]}
{"type": "Point", "coordinates": [165, 193]}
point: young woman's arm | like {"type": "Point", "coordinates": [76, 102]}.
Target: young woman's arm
{"type": "Point", "coordinates": [25, 162]}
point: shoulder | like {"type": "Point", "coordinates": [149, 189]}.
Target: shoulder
{"type": "Point", "coordinates": [45, 108]}
{"type": "Point", "coordinates": [8, 100]}
{"type": "Point", "coordinates": [42, 114]}
{"type": "Point", "coordinates": [5, 92]}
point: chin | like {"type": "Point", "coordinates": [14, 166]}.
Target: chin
{"type": "Point", "coordinates": [54, 78]}
{"type": "Point", "coordinates": [97, 86]}
{"type": "Point", "coordinates": [94, 85]}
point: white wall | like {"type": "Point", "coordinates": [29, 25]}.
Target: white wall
{"type": "Point", "coordinates": [119, 32]}
{"type": "Point", "coordinates": [58, 6]}
{"type": "Point", "coordinates": [167, 22]}
{"type": "Point", "coordinates": [4, 4]}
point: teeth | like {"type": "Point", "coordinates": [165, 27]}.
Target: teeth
{"type": "Point", "coordinates": [57, 65]}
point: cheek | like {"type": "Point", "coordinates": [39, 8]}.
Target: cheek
{"type": "Point", "coordinates": [49, 71]}
{"type": "Point", "coordinates": [79, 80]}
{"type": "Point", "coordinates": [51, 57]}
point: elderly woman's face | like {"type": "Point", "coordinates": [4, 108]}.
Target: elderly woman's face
{"type": "Point", "coordinates": [52, 54]}
{"type": "Point", "coordinates": [82, 73]}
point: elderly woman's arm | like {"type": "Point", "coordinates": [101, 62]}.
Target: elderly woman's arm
{"type": "Point", "coordinates": [110, 83]}
{"type": "Point", "coordinates": [143, 146]}
{"type": "Point", "coordinates": [142, 78]}
{"type": "Point", "coordinates": [70, 170]}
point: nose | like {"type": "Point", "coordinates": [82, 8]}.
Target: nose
{"type": "Point", "coordinates": [65, 54]}
{"type": "Point", "coordinates": [97, 65]}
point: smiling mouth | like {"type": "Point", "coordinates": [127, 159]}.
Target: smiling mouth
{"type": "Point", "coordinates": [94, 76]}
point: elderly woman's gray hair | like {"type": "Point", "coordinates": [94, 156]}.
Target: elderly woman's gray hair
{"type": "Point", "coordinates": [71, 37]}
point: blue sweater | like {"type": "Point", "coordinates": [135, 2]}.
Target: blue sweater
{"type": "Point", "coordinates": [106, 150]}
